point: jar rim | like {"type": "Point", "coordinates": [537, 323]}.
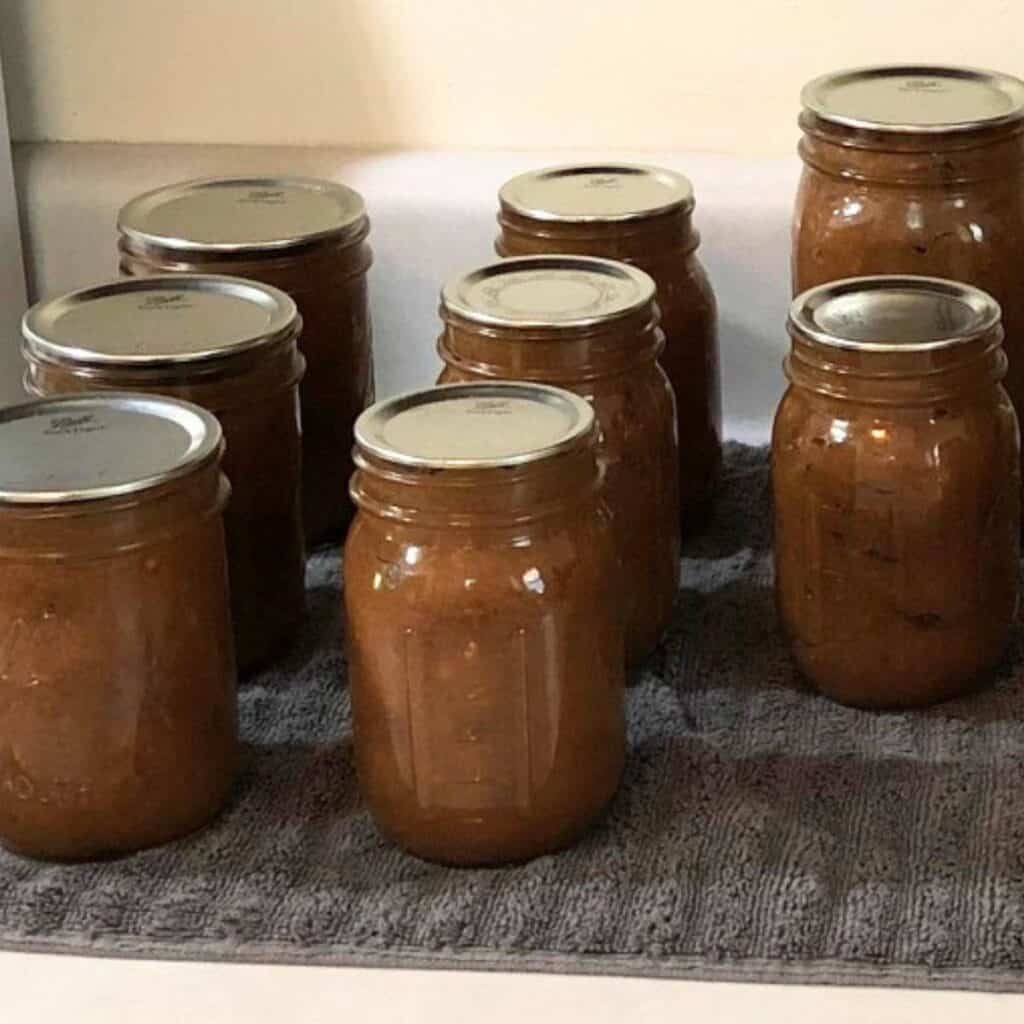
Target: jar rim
{"type": "Point", "coordinates": [332, 210]}
{"type": "Point", "coordinates": [891, 97]}
{"type": "Point", "coordinates": [248, 315]}
{"type": "Point", "coordinates": [479, 425]}
{"type": "Point", "coordinates": [635, 191]}
{"type": "Point", "coordinates": [894, 313]}
{"type": "Point", "coordinates": [104, 445]}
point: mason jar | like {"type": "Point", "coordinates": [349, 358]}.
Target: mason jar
{"type": "Point", "coordinates": [485, 646]}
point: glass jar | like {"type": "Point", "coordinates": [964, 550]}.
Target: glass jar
{"type": "Point", "coordinates": [916, 170]}
{"type": "Point", "coordinates": [897, 490]}
{"type": "Point", "coordinates": [308, 238]}
{"type": "Point", "coordinates": [118, 720]}
{"type": "Point", "coordinates": [230, 346]}
{"type": "Point", "coordinates": [591, 326]}
{"type": "Point", "coordinates": [642, 216]}
{"type": "Point", "coordinates": [485, 653]}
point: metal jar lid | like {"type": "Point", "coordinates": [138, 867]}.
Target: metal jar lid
{"type": "Point", "coordinates": [241, 215]}
{"type": "Point", "coordinates": [474, 426]}
{"type": "Point", "coordinates": [88, 447]}
{"type": "Point", "coordinates": [918, 98]}
{"type": "Point", "coordinates": [894, 313]}
{"type": "Point", "coordinates": [588, 193]}
{"type": "Point", "coordinates": [548, 291]}
{"type": "Point", "coordinates": [163, 320]}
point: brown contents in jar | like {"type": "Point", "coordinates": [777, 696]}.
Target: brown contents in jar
{"type": "Point", "coordinates": [118, 721]}
{"type": "Point", "coordinates": [307, 238]}
{"type": "Point", "coordinates": [642, 216]}
{"type": "Point", "coordinates": [916, 170]}
{"type": "Point", "coordinates": [485, 648]}
{"type": "Point", "coordinates": [897, 506]}
{"type": "Point", "coordinates": [591, 326]}
{"type": "Point", "coordinates": [230, 346]}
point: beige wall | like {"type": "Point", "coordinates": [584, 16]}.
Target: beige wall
{"type": "Point", "coordinates": [484, 73]}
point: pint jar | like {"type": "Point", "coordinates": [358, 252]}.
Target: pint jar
{"type": "Point", "coordinates": [896, 481]}
{"type": "Point", "coordinates": [642, 216]}
{"type": "Point", "coordinates": [589, 325]}
{"type": "Point", "coordinates": [485, 649]}
{"type": "Point", "coordinates": [228, 345]}
{"type": "Point", "coordinates": [308, 238]}
{"type": "Point", "coordinates": [118, 721]}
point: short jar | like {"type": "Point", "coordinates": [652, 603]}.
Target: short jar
{"type": "Point", "coordinates": [485, 649]}
{"type": "Point", "coordinates": [308, 238]}
{"type": "Point", "coordinates": [118, 720]}
{"type": "Point", "coordinates": [228, 345]}
{"type": "Point", "coordinates": [897, 490]}
{"type": "Point", "coordinates": [642, 216]}
{"type": "Point", "coordinates": [589, 325]}
{"type": "Point", "coordinates": [916, 170]}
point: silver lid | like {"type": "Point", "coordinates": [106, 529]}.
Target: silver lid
{"type": "Point", "coordinates": [157, 321]}
{"type": "Point", "coordinates": [585, 193]}
{"type": "Point", "coordinates": [919, 98]}
{"type": "Point", "coordinates": [88, 447]}
{"type": "Point", "coordinates": [474, 426]}
{"type": "Point", "coordinates": [896, 313]}
{"type": "Point", "coordinates": [233, 215]}
{"type": "Point", "coordinates": [548, 291]}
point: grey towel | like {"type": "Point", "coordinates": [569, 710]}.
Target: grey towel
{"type": "Point", "coordinates": [761, 831]}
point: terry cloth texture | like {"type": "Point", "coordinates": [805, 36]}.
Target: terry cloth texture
{"type": "Point", "coordinates": [761, 832]}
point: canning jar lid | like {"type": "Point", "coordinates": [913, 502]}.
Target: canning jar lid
{"type": "Point", "coordinates": [598, 192]}
{"type": "Point", "coordinates": [474, 426]}
{"type": "Point", "coordinates": [240, 215]}
{"type": "Point", "coordinates": [162, 320]}
{"type": "Point", "coordinates": [915, 98]}
{"type": "Point", "coordinates": [548, 291]}
{"type": "Point", "coordinates": [894, 313]}
{"type": "Point", "coordinates": [89, 447]}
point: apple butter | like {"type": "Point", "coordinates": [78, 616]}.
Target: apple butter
{"type": "Point", "coordinates": [228, 345]}
{"type": "Point", "coordinates": [589, 325]}
{"type": "Point", "coordinates": [640, 215]}
{"type": "Point", "coordinates": [485, 649]}
{"type": "Point", "coordinates": [118, 720]}
{"type": "Point", "coordinates": [895, 465]}
{"type": "Point", "coordinates": [916, 170]}
{"type": "Point", "coordinates": [308, 238]}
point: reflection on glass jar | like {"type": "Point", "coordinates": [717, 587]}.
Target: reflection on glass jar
{"type": "Point", "coordinates": [308, 238]}
{"type": "Point", "coordinates": [118, 721]}
{"type": "Point", "coordinates": [591, 326]}
{"type": "Point", "coordinates": [896, 479]}
{"type": "Point", "coordinates": [916, 170]}
{"type": "Point", "coordinates": [485, 648]}
{"type": "Point", "coordinates": [642, 216]}
{"type": "Point", "coordinates": [230, 346]}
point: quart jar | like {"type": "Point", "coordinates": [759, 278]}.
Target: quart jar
{"type": "Point", "coordinates": [642, 216]}
{"type": "Point", "coordinates": [228, 345]}
{"type": "Point", "coordinates": [118, 721]}
{"type": "Point", "coordinates": [485, 648]}
{"type": "Point", "coordinates": [308, 238]}
{"type": "Point", "coordinates": [897, 490]}
{"type": "Point", "coordinates": [589, 325]}
{"type": "Point", "coordinates": [916, 170]}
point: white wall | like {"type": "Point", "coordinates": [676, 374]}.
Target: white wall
{"type": "Point", "coordinates": [483, 73]}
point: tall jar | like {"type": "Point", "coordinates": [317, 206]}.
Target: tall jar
{"type": "Point", "coordinates": [485, 649]}
{"type": "Point", "coordinates": [118, 720]}
{"type": "Point", "coordinates": [230, 346]}
{"type": "Point", "coordinates": [591, 326]}
{"type": "Point", "coordinates": [916, 170]}
{"type": "Point", "coordinates": [897, 490]}
{"type": "Point", "coordinates": [308, 238]}
{"type": "Point", "coordinates": [642, 216]}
